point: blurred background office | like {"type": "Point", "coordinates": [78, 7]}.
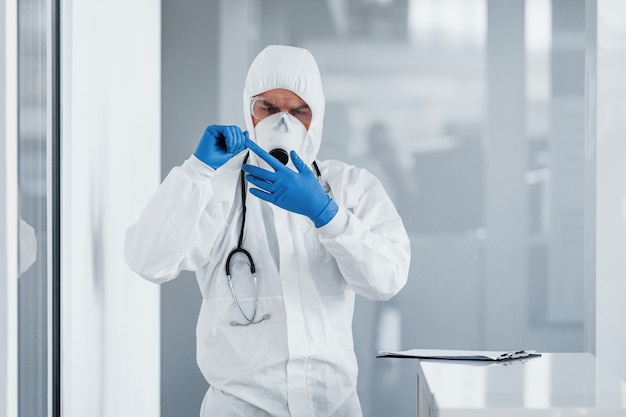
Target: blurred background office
{"type": "Point", "coordinates": [491, 123]}
{"type": "Point", "coordinates": [472, 115]}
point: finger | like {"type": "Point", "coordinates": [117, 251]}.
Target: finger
{"type": "Point", "coordinates": [273, 162]}
{"type": "Point", "coordinates": [299, 163]}
{"type": "Point", "coordinates": [262, 184]}
{"type": "Point", "coordinates": [218, 134]}
{"type": "Point", "coordinates": [210, 130]}
{"type": "Point", "coordinates": [261, 173]}
{"type": "Point", "coordinates": [239, 140]}
{"type": "Point", "coordinates": [262, 195]}
{"type": "Point", "coordinates": [254, 147]}
{"type": "Point", "coordinates": [221, 131]}
{"type": "Point", "coordinates": [235, 141]}
{"type": "Point", "coordinates": [228, 138]}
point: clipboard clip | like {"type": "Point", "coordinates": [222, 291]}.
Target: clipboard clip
{"type": "Point", "coordinates": [516, 354]}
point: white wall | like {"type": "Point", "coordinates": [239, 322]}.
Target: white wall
{"type": "Point", "coordinates": [189, 83]}
{"type": "Point", "coordinates": [607, 131]}
{"type": "Point", "coordinates": [110, 166]}
{"type": "Point", "coordinates": [8, 208]}
{"type": "Point", "coordinates": [236, 34]}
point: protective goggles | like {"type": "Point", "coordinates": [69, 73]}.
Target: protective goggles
{"type": "Point", "coordinates": [262, 107]}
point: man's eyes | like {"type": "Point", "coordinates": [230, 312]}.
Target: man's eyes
{"type": "Point", "coordinates": [273, 109]}
{"type": "Point", "coordinates": [270, 109]}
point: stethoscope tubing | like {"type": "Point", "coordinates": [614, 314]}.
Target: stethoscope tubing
{"type": "Point", "coordinates": [239, 249]}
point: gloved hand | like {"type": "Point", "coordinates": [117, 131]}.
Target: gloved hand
{"type": "Point", "coordinates": [299, 192]}
{"type": "Point", "coordinates": [219, 144]}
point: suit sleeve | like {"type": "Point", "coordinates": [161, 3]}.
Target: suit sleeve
{"type": "Point", "coordinates": [179, 225]}
{"type": "Point", "coordinates": [367, 237]}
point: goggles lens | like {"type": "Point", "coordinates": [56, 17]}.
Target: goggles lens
{"type": "Point", "coordinates": [262, 107]}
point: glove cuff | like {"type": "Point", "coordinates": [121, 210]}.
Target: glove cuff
{"type": "Point", "coordinates": [327, 214]}
{"type": "Point", "coordinates": [205, 160]}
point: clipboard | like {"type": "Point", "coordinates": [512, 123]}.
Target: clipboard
{"type": "Point", "coordinates": [463, 355]}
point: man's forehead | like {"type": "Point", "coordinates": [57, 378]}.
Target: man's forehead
{"type": "Point", "coordinates": [281, 93]}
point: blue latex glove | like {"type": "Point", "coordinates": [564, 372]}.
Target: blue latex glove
{"type": "Point", "coordinates": [299, 192]}
{"type": "Point", "coordinates": [219, 144]}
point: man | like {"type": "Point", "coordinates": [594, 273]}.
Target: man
{"type": "Point", "coordinates": [280, 245]}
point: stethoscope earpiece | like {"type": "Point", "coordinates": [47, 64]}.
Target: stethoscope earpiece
{"type": "Point", "coordinates": [236, 323]}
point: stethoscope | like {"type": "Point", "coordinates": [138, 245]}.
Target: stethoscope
{"type": "Point", "coordinates": [240, 249]}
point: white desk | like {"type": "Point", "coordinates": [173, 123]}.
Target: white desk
{"type": "Point", "coordinates": [556, 384]}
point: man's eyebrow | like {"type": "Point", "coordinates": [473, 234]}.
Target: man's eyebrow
{"type": "Point", "coordinates": [272, 102]}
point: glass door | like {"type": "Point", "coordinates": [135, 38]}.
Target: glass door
{"type": "Point", "coordinates": [38, 195]}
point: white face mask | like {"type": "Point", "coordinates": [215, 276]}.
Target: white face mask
{"type": "Point", "coordinates": [279, 134]}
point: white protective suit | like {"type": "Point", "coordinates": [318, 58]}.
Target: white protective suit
{"type": "Point", "coordinates": [301, 361]}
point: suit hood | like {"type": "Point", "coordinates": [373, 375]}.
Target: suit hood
{"type": "Point", "coordinates": [293, 69]}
